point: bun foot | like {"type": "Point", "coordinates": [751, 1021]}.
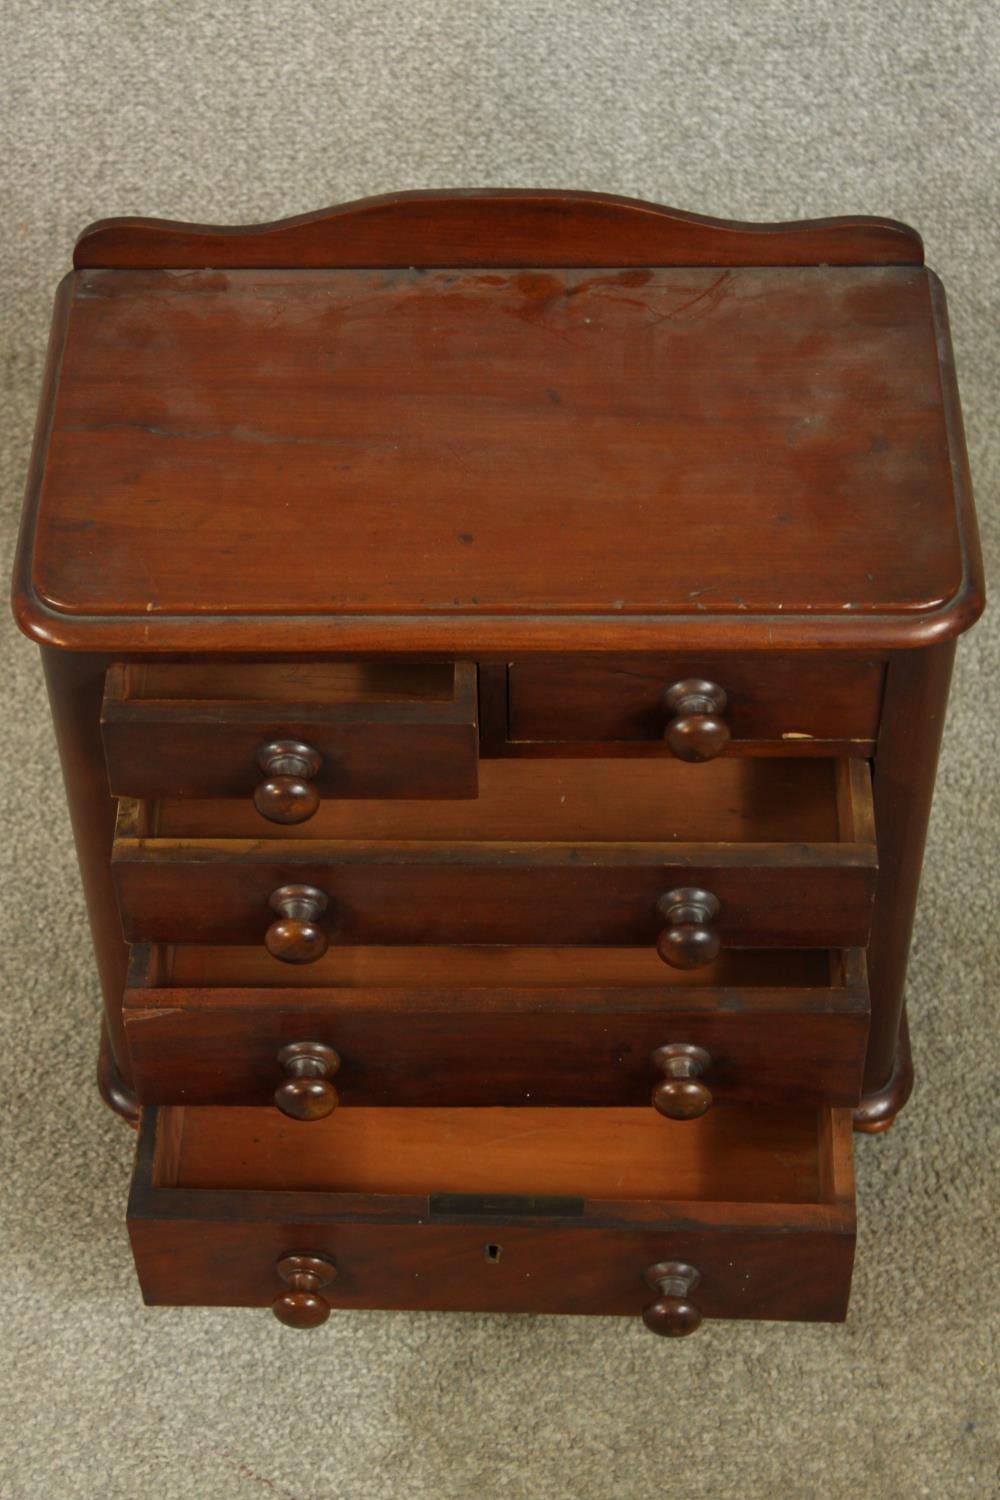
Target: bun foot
{"type": "Point", "coordinates": [109, 1082]}
{"type": "Point", "coordinates": [877, 1112]}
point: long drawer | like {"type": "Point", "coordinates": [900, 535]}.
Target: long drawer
{"type": "Point", "coordinates": [739, 852]}
{"type": "Point", "coordinates": [493, 1026]}
{"type": "Point", "coordinates": [745, 1213]}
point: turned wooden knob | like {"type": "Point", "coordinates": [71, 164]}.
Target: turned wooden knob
{"type": "Point", "coordinates": [301, 1306]}
{"type": "Point", "coordinates": [672, 1315]}
{"type": "Point", "coordinates": [679, 1095]}
{"type": "Point", "coordinates": [307, 1093]}
{"type": "Point", "coordinates": [296, 938]}
{"type": "Point", "coordinates": [696, 730]}
{"type": "Point", "coordinates": [688, 940]}
{"type": "Point", "coordinates": [287, 794]}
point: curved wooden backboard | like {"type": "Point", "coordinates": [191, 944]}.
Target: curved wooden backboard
{"type": "Point", "coordinates": [496, 228]}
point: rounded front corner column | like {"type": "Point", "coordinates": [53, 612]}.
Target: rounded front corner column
{"type": "Point", "coordinates": [906, 756]}
{"type": "Point", "coordinates": [75, 682]}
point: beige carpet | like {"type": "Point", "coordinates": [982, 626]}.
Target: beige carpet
{"type": "Point", "coordinates": [204, 109]}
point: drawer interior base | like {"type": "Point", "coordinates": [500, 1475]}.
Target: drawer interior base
{"type": "Point", "coordinates": [331, 682]}
{"type": "Point", "coordinates": [729, 800]}
{"type": "Point", "coordinates": [731, 1154]}
{"type": "Point", "coordinates": [461, 968]}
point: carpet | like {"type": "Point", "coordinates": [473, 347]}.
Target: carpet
{"type": "Point", "coordinates": [242, 112]}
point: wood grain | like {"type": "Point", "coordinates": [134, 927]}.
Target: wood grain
{"type": "Point", "coordinates": [730, 1155]}
{"type": "Point", "coordinates": [196, 731]}
{"type": "Point", "coordinates": [600, 800]}
{"type": "Point", "coordinates": [550, 852]}
{"type": "Point", "coordinates": [449, 972]}
{"type": "Point", "coordinates": [784, 1256]}
{"type": "Point", "coordinates": [498, 227]}
{"type": "Point", "coordinates": [446, 406]}
{"type": "Point", "coordinates": [903, 787]}
{"type": "Point", "coordinates": [478, 1027]}
{"type": "Point", "coordinates": [285, 476]}
{"type": "Point", "coordinates": [799, 705]}
{"type": "Point", "coordinates": [771, 895]}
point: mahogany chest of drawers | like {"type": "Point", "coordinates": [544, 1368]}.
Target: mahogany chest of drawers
{"type": "Point", "coordinates": [498, 645]}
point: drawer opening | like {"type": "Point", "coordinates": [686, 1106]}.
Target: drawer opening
{"type": "Point", "coordinates": [515, 1027]}
{"type": "Point", "coordinates": [549, 853]}
{"type": "Point", "coordinates": [740, 801]}
{"type": "Point", "coordinates": [733, 1155]}
{"type": "Point", "coordinates": [324, 682]}
{"type": "Point", "coordinates": [183, 966]}
{"type": "Point", "coordinates": [370, 729]}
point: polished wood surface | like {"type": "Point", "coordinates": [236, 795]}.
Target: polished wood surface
{"type": "Point", "coordinates": [878, 1109]}
{"type": "Point", "coordinates": [672, 1314]}
{"type": "Point", "coordinates": [208, 1249]}
{"type": "Point", "coordinates": [301, 1306]}
{"type": "Point", "coordinates": [580, 852]}
{"type": "Point", "coordinates": [733, 1154]}
{"type": "Point", "coordinates": [307, 1093]}
{"type": "Point", "coordinates": [366, 730]}
{"type": "Point", "coordinates": [675, 514]}
{"type": "Point", "coordinates": [690, 938]}
{"type": "Point", "coordinates": [602, 800]}
{"type": "Point", "coordinates": [680, 1094]}
{"type": "Point", "coordinates": [449, 972]}
{"type": "Point", "coordinates": [787, 1253]}
{"type": "Point", "coordinates": [903, 788]}
{"type": "Point", "coordinates": [297, 936]}
{"type": "Point", "coordinates": [463, 369]}
{"type": "Point", "coordinates": [218, 891]}
{"type": "Point", "coordinates": [837, 282]}
{"type": "Point", "coordinates": [498, 227]}
{"type": "Point", "coordinates": [333, 685]}
{"type": "Point", "coordinates": [75, 682]}
{"type": "Point", "coordinates": [795, 704]}
{"type": "Point", "coordinates": [696, 727]}
{"type": "Point", "coordinates": [482, 1026]}
{"type": "Point", "coordinates": [110, 1085]}
{"type": "Point", "coordinates": [288, 793]}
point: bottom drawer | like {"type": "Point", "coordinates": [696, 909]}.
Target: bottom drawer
{"type": "Point", "coordinates": [750, 1210]}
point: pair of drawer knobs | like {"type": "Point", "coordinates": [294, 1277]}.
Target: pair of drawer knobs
{"type": "Point", "coordinates": [688, 939]}
{"type": "Point", "coordinates": [307, 1092]}
{"type": "Point", "coordinates": [695, 731]}
{"type": "Point", "coordinates": [301, 1304]}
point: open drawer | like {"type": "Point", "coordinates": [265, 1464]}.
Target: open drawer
{"type": "Point", "coordinates": [495, 1026]}
{"type": "Point", "coordinates": [288, 733]}
{"type": "Point", "coordinates": [738, 852]}
{"type": "Point", "coordinates": [559, 1211]}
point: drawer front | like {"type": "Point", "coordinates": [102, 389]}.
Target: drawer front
{"type": "Point", "coordinates": [539, 1251]}
{"type": "Point", "coordinates": [801, 1270]}
{"type": "Point", "coordinates": [805, 899]}
{"type": "Point", "coordinates": [785, 897]}
{"type": "Point", "coordinates": [777, 854]}
{"type": "Point", "coordinates": [450, 1037]}
{"type": "Point", "coordinates": [797, 704]}
{"type": "Point", "coordinates": [374, 730]}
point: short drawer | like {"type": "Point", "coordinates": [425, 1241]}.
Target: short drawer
{"type": "Point", "coordinates": [534, 1210]}
{"type": "Point", "coordinates": [494, 1026]}
{"type": "Point", "coordinates": [778, 853]}
{"type": "Point", "coordinates": [801, 704]}
{"type": "Point", "coordinates": [289, 733]}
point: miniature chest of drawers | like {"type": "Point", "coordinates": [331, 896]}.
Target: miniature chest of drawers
{"type": "Point", "coordinates": [498, 645]}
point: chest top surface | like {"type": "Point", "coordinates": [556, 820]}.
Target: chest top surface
{"type": "Point", "coordinates": [673, 447]}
